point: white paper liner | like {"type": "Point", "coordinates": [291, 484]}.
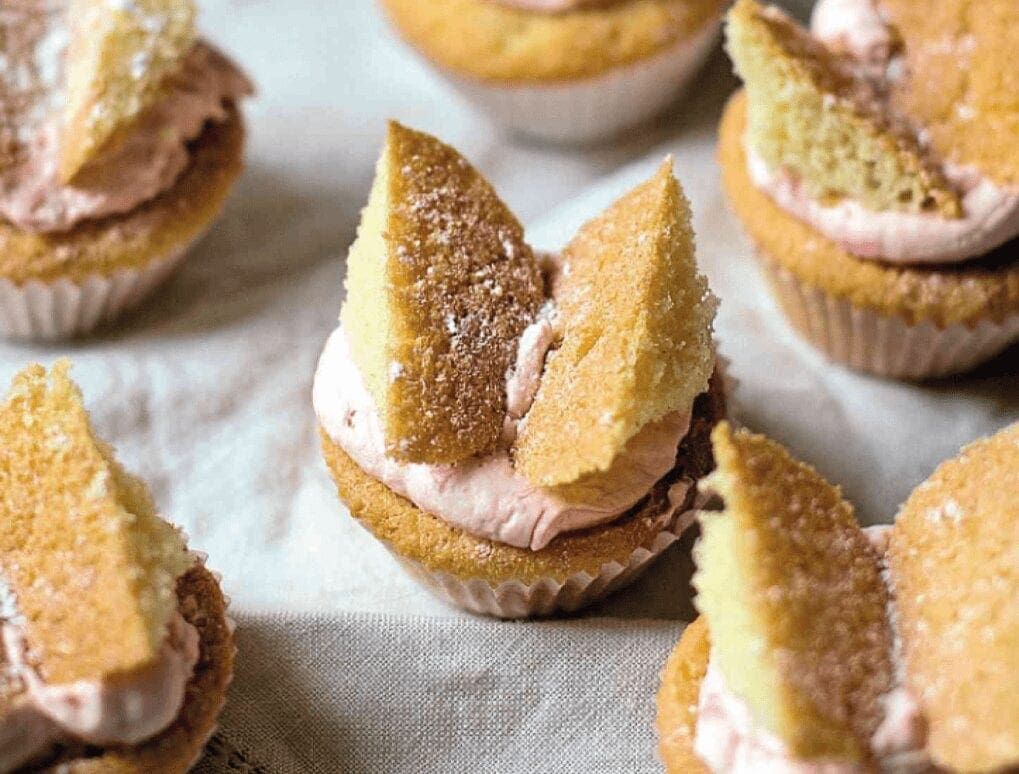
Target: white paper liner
{"type": "Point", "coordinates": [516, 599]}
{"type": "Point", "coordinates": [593, 108]}
{"type": "Point", "coordinates": [886, 345]}
{"type": "Point", "coordinates": [62, 309]}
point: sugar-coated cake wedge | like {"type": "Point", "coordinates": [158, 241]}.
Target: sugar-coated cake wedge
{"type": "Point", "coordinates": [117, 63]}
{"type": "Point", "coordinates": [812, 112]}
{"type": "Point", "coordinates": [470, 434]}
{"type": "Point", "coordinates": [440, 285]}
{"type": "Point", "coordinates": [117, 649]}
{"type": "Point", "coordinates": [636, 342]}
{"type": "Point", "coordinates": [954, 558]}
{"type": "Point", "coordinates": [793, 596]}
{"type": "Point", "coordinates": [121, 136]}
{"type": "Point", "coordinates": [865, 158]}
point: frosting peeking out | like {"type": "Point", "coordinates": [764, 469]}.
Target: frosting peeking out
{"type": "Point", "coordinates": [139, 164]}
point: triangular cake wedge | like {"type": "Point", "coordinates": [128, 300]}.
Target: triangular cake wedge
{"type": "Point", "coordinates": [810, 112]}
{"type": "Point", "coordinates": [636, 317]}
{"type": "Point", "coordinates": [440, 286]}
{"type": "Point", "coordinates": [118, 57]}
{"type": "Point", "coordinates": [92, 568]}
{"type": "Point", "coordinates": [954, 560]}
{"type": "Point", "coordinates": [793, 596]}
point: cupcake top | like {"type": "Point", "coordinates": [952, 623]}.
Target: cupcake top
{"type": "Point", "coordinates": [838, 650]}
{"type": "Point", "coordinates": [95, 649]}
{"type": "Point", "coordinates": [954, 558]}
{"type": "Point", "coordinates": [515, 396]}
{"type": "Point", "coordinates": [839, 136]}
{"type": "Point", "coordinates": [101, 99]}
{"type": "Point", "coordinates": [527, 41]}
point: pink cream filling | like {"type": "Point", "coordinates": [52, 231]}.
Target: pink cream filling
{"type": "Point", "coordinates": [990, 212]}
{"type": "Point", "coordinates": [485, 496]}
{"type": "Point", "coordinates": [147, 162]}
{"type": "Point", "coordinates": [730, 741]}
{"type": "Point", "coordinates": [103, 713]}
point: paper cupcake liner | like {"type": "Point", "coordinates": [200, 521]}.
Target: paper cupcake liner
{"type": "Point", "coordinates": [547, 596]}
{"type": "Point", "coordinates": [886, 345]}
{"type": "Point", "coordinates": [62, 309]}
{"type": "Point", "coordinates": [592, 108]}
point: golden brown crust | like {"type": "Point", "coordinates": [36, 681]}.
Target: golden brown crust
{"type": "Point", "coordinates": [961, 81]}
{"type": "Point", "coordinates": [177, 748]}
{"type": "Point", "coordinates": [154, 230]}
{"type": "Point", "coordinates": [954, 559]}
{"type": "Point", "coordinates": [438, 546]}
{"type": "Point", "coordinates": [458, 286]}
{"type": "Point", "coordinates": [810, 112]}
{"type": "Point", "coordinates": [678, 698]}
{"type": "Point", "coordinates": [793, 594]}
{"type": "Point", "coordinates": [636, 344]}
{"type": "Point", "coordinates": [484, 40]}
{"type": "Point", "coordinates": [969, 293]}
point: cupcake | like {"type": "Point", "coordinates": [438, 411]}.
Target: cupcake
{"type": "Point", "coordinates": [116, 650]}
{"type": "Point", "coordinates": [120, 139]}
{"type": "Point", "coordinates": [822, 647]}
{"type": "Point", "coordinates": [521, 431]}
{"type": "Point", "coordinates": [563, 70]}
{"type": "Point", "coordinates": [874, 165]}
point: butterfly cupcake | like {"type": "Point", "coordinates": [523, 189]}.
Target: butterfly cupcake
{"type": "Point", "coordinates": [563, 70]}
{"type": "Point", "coordinates": [825, 648]}
{"type": "Point", "coordinates": [120, 139]}
{"type": "Point", "coordinates": [873, 163]}
{"type": "Point", "coordinates": [116, 648]}
{"type": "Point", "coordinates": [521, 431]}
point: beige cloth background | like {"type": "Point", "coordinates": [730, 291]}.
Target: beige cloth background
{"type": "Point", "coordinates": [345, 663]}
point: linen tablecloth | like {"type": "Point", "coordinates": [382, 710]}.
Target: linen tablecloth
{"type": "Point", "coordinates": [345, 663]}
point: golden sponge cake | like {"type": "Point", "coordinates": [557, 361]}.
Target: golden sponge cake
{"type": "Point", "coordinates": [440, 285]}
{"type": "Point", "coordinates": [810, 113]}
{"type": "Point", "coordinates": [954, 559]}
{"type": "Point", "coordinates": [96, 576]}
{"type": "Point", "coordinates": [793, 596]}
{"type": "Point", "coordinates": [636, 342]}
{"type": "Point", "coordinates": [80, 538]}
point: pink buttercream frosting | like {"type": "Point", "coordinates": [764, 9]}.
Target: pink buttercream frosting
{"type": "Point", "coordinates": [485, 496]}
{"type": "Point", "coordinates": [145, 162]}
{"type": "Point", "coordinates": [126, 711]}
{"type": "Point", "coordinates": [990, 212]}
{"type": "Point", "coordinates": [730, 741]}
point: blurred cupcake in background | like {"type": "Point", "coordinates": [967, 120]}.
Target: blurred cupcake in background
{"type": "Point", "coordinates": [120, 138]}
{"type": "Point", "coordinates": [873, 163]}
{"type": "Point", "coordinates": [563, 70]}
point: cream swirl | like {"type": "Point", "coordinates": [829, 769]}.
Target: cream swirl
{"type": "Point", "coordinates": [145, 162]}
{"type": "Point", "coordinates": [485, 496]}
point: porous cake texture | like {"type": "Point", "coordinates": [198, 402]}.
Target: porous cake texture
{"type": "Point", "coordinates": [792, 592]}
{"type": "Point", "coordinates": [90, 564]}
{"type": "Point", "coordinates": [954, 559]}
{"type": "Point", "coordinates": [440, 285]}
{"type": "Point", "coordinates": [813, 113]}
{"type": "Point", "coordinates": [636, 343]}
